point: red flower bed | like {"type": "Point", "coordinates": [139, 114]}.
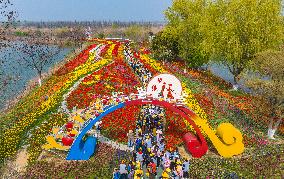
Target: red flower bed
{"type": "Point", "coordinates": [116, 77]}
{"type": "Point", "coordinates": [104, 50]}
{"type": "Point", "coordinates": [115, 50]}
{"type": "Point", "coordinates": [175, 129]}
{"type": "Point", "coordinates": [206, 104]}
{"type": "Point", "coordinates": [79, 60]}
{"type": "Point", "coordinates": [117, 124]}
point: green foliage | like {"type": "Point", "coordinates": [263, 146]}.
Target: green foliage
{"type": "Point", "coordinates": [165, 46]}
{"type": "Point", "coordinates": [267, 80]}
{"type": "Point", "coordinates": [21, 34]}
{"type": "Point", "coordinates": [187, 19]}
{"type": "Point", "coordinates": [228, 31]}
{"type": "Point", "coordinates": [101, 35]}
{"type": "Point", "coordinates": [134, 33]}
{"type": "Point", "coordinates": [101, 165]}
{"type": "Point", "coordinates": [242, 28]}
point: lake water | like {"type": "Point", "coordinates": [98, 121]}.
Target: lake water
{"type": "Point", "coordinates": [17, 75]}
{"type": "Point", "coordinates": [223, 72]}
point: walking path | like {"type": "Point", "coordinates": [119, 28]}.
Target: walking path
{"type": "Point", "coordinates": [15, 167]}
{"type": "Point", "coordinates": [110, 142]}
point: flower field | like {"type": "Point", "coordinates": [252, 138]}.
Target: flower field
{"type": "Point", "coordinates": [98, 73]}
{"type": "Point", "coordinates": [40, 109]}
{"type": "Point", "coordinates": [218, 103]}
{"type": "Point", "coordinates": [116, 77]}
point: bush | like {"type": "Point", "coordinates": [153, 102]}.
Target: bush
{"type": "Point", "coordinates": [21, 34]}
{"type": "Point", "coordinates": [165, 46]}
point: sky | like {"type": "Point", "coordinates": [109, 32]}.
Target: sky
{"type": "Point", "coordinates": [88, 10]}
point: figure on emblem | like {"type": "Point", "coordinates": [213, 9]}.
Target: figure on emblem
{"type": "Point", "coordinates": [169, 95]}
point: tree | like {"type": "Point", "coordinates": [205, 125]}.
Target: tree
{"type": "Point", "coordinates": [165, 46]}
{"type": "Point", "coordinates": [37, 55]}
{"type": "Point", "coordinates": [187, 19]}
{"type": "Point", "coordinates": [101, 35]}
{"type": "Point", "coordinates": [71, 36]}
{"type": "Point", "coordinates": [242, 28]}
{"type": "Point", "coordinates": [227, 31]}
{"type": "Point", "coordinates": [267, 82]}
{"type": "Point", "coordinates": [135, 33]}
{"type": "Point", "coordinates": [7, 17]}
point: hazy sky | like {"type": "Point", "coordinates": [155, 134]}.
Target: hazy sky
{"type": "Point", "coordinates": [123, 10]}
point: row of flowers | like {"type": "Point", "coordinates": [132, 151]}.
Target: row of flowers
{"type": "Point", "coordinates": [79, 60]}
{"type": "Point", "coordinates": [256, 166]}
{"type": "Point", "coordinates": [215, 113]}
{"type": "Point", "coordinates": [37, 138]}
{"type": "Point", "coordinates": [243, 102]}
{"type": "Point", "coordinates": [94, 55]}
{"type": "Point", "coordinates": [116, 77]}
{"type": "Point", "coordinates": [12, 137]}
{"type": "Point", "coordinates": [99, 167]}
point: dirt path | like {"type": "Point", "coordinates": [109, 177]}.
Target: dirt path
{"type": "Point", "coordinates": [16, 167]}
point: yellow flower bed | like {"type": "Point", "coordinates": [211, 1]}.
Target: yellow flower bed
{"type": "Point", "coordinates": [153, 63]}
{"type": "Point", "coordinates": [96, 79]}
{"type": "Point", "coordinates": [120, 52]}
{"type": "Point", "coordinates": [109, 51]}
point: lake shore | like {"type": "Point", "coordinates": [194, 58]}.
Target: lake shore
{"type": "Point", "coordinates": [32, 83]}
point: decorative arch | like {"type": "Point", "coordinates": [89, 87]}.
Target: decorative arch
{"type": "Point", "coordinates": [83, 150]}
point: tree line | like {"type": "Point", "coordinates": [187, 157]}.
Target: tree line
{"type": "Point", "coordinates": [92, 24]}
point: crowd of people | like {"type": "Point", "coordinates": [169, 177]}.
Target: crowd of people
{"type": "Point", "coordinates": [143, 73]}
{"type": "Point", "coordinates": [150, 158]}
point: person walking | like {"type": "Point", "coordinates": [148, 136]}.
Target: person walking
{"type": "Point", "coordinates": [159, 154]}
{"type": "Point", "coordinates": [131, 174]}
{"type": "Point", "coordinates": [129, 166]}
{"type": "Point", "coordinates": [176, 154]}
{"type": "Point", "coordinates": [130, 136]}
{"type": "Point", "coordinates": [138, 172]}
{"type": "Point", "coordinates": [123, 170]}
{"type": "Point", "coordinates": [148, 142]}
{"type": "Point", "coordinates": [139, 155]}
{"type": "Point", "coordinates": [167, 162]}
{"type": "Point", "coordinates": [185, 168]}
{"type": "Point", "coordinates": [116, 174]}
{"type": "Point", "coordinates": [152, 170]}
{"type": "Point", "coordinates": [166, 173]}
{"type": "Point", "coordinates": [175, 174]}
{"type": "Point", "coordinates": [138, 143]}
{"type": "Point", "coordinates": [179, 168]}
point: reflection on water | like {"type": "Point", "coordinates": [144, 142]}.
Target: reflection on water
{"type": "Point", "coordinates": [16, 75]}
